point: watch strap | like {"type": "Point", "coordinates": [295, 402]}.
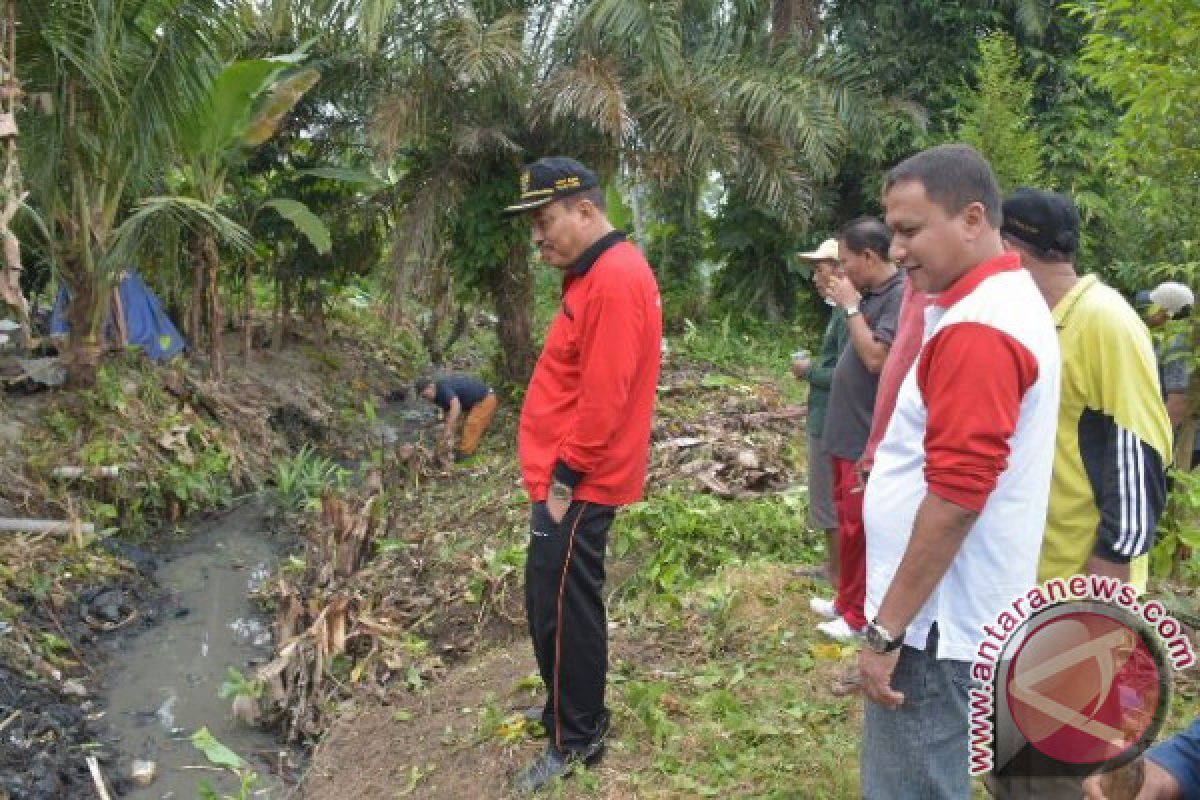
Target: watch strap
{"type": "Point", "coordinates": [881, 639]}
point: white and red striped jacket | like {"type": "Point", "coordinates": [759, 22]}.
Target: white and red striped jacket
{"type": "Point", "coordinates": [974, 424]}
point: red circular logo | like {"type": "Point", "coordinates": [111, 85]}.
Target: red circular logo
{"type": "Point", "coordinates": [1084, 687]}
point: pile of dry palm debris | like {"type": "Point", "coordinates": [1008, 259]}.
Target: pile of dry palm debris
{"type": "Point", "coordinates": [725, 437]}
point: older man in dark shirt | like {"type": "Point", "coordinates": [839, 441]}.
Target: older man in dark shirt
{"type": "Point", "coordinates": [870, 293]}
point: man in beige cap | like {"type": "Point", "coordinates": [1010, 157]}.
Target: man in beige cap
{"type": "Point", "coordinates": [821, 513]}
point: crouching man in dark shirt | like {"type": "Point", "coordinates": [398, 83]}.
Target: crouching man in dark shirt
{"type": "Point", "coordinates": [461, 396]}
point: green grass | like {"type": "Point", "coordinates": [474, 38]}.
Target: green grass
{"type": "Point", "coordinates": [678, 537]}
{"type": "Point", "coordinates": [740, 706]}
{"type": "Point", "coordinates": [727, 343]}
{"type": "Point", "coordinates": [176, 462]}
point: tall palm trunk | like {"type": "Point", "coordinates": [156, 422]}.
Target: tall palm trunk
{"type": "Point", "coordinates": [511, 287]}
{"type": "Point", "coordinates": [195, 317]}
{"type": "Point", "coordinates": [85, 317]}
{"type": "Point", "coordinates": [283, 300]}
{"type": "Point", "coordinates": [212, 265]}
{"type": "Point", "coordinates": [204, 316]}
{"type": "Point", "coordinates": [794, 16]}
{"type": "Point", "coordinates": [247, 310]}
{"type": "Point", "coordinates": [12, 188]}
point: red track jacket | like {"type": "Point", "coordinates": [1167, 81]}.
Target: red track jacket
{"type": "Point", "coordinates": [587, 413]}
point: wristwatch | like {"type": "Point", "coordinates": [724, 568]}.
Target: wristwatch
{"type": "Point", "coordinates": [880, 640]}
{"type": "Point", "coordinates": [560, 491]}
{"type": "Point", "coordinates": [852, 311]}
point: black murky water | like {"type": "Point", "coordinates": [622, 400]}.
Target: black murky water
{"type": "Point", "coordinates": [165, 679]}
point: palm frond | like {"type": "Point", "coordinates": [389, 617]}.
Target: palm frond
{"type": "Point", "coordinates": [767, 173]}
{"type": "Point", "coordinates": [185, 212]}
{"type": "Point", "coordinates": [685, 124]}
{"type": "Point", "coordinates": [173, 59]}
{"type": "Point", "coordinates": [474, 141]}
{"type": "Point", "coordinates": [648, 29]}
{"type": "Point", "coordinates": [397, 117]}
{"type": "Point", "coordinates": [124, 74]}
{"type": "Point", "coordinates": [417, 238]}
{"type": "Point", "coordinates": [477, 53]}
{"type": "Point", "coordinates": [301, 216]}
{"type": "Point", "coordinates": [590, 91]}
{"type": "Point", "coordinates": [793, 114]}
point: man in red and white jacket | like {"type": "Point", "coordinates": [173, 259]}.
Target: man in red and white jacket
{"type": "Point", "coordinates": [584, 445]}
{"type": "Point", "coordinates": [956, 502]}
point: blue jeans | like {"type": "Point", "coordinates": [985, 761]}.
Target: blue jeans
{"type": "Point", "coordinates": [920, 751]}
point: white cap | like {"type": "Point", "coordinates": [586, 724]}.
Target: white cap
{"type": "Point", "coordinates": [1172, 296]}
{"type": "Point", "coordinates": [828, 251]}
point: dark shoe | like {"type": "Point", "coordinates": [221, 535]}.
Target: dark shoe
{"type": "Point", "coordinates": [552, 765]}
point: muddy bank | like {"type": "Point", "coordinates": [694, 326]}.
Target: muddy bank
{"type": "Point", "coordinates": [43, 741]}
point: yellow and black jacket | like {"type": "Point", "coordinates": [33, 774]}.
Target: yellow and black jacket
{"type": "Point", "coordinates": [1114, 438]}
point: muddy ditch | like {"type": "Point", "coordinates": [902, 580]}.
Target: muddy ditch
{"type": "Point", "coordinates": [156, 652]}
{"type": "Point", "coordinates": [164, 681]}
{"type": "Point", "coordinates": [211, 657]}
{"type": "Point", "coordinates": [147, 650]}
{"type": "Point", "coordinates": [185, 446]}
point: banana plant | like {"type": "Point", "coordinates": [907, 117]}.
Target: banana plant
{"type": "Point", "coordinates": [248, 102]}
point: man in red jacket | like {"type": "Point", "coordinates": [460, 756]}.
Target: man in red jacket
{"type": "Point", "coordinates": [584, 444]}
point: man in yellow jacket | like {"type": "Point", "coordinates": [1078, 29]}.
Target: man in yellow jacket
{"type": "Point", "coordinates": [1113, 442]}
{"type": "Point", "coordinates": [1114, 438]}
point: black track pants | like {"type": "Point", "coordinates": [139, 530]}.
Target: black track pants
{"type": "Point", "coordinates": [564, 600]}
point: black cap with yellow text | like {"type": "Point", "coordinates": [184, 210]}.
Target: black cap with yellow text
{"type": "Point", "coordinates": [550, 179]}
{"type": "Point", "coordinates": [1048, 221]}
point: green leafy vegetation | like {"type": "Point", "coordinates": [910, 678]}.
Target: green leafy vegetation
{"type": "Point", "coordinates": [997, 118]}
{"type": "Point", "coordinates": [679, 537]}
{"type": "Point", "coordinates": [300, 479]}
{"type": "Point", "coordinates": [172, 462]}
{"type": "Point", "coordinates": [238, 685]}
{"type": "Point", "coordinates": [222, 756]}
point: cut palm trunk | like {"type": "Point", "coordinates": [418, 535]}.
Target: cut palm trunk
{"type": "Point", "coordinates": [15, 525]}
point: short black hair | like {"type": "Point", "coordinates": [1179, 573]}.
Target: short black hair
{"type": "Point", "coordinates": [595, 195]}
{"type": "Point", "coordinates": [954, 176]}
{"type": "Point", "coordinates": [867, 233]}
{"type": "Point", "coordinates": [422, 382]}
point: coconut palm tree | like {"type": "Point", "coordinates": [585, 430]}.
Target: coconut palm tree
{"type": "Point", "coordinates": [109, 84]}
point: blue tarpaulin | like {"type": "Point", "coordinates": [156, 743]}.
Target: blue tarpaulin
{"type": "Point", "coordinates": [146, 324]}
